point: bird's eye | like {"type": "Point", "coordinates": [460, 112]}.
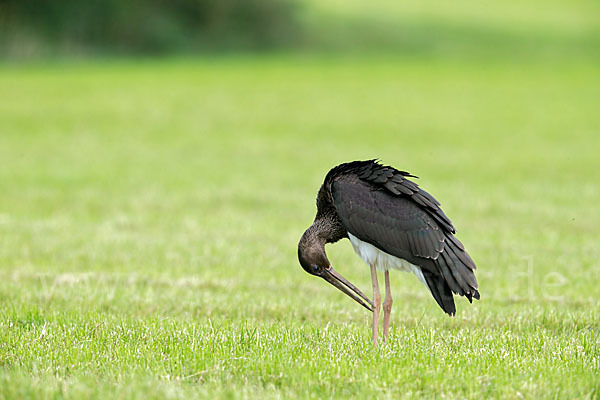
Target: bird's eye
{"type": "Point", "coordinates": [315, 268]}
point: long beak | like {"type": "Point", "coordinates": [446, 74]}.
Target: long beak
{"type": "Point", "coordinates": [331, 276]}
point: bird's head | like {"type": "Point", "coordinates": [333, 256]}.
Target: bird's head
{"type": "Point", "coordinates": [312, 257]}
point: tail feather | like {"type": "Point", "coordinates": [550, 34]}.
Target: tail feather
{"type": "Point", "coordinates": [441, 292]}
{"type": "Point", "coordinates": [457, 269]}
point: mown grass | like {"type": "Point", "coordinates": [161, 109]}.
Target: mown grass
{"type": "Point", "coordinates": [150, 213]}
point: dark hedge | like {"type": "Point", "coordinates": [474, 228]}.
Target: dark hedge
{"type": "Point", "coordinates": [151, 26]}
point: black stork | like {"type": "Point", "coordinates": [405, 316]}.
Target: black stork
{"type": "Point", "coordinates": [392, 224]}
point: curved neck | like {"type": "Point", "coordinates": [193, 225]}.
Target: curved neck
{"type": "Point", "coordinates": [311, 248]}
{"type": "Point", "coordinates": [325, 229]}
{"type": "Point", "coordinates": [313, 237]}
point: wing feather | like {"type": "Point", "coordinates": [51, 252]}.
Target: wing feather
{"type": "Point", "coordinates": [465, 272]}
{"type": "Point", "coordinates": [445, 270]}
{"type": "Point", "coordinates": [379, 205]}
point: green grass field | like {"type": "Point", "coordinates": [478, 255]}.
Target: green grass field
{"type": "Point", "coordinates": [150, 212]}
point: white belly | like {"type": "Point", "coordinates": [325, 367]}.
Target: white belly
{"type": "Point", "coordinates": [382, 260]}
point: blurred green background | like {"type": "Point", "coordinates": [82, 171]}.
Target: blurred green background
{"type": "Point", "coordinates": [552, 29]}
{"type": "Point", "coordinates": [159, 161]}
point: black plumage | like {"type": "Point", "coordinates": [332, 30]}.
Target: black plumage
{"type": "Point", "coordinates": [381, 206]}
